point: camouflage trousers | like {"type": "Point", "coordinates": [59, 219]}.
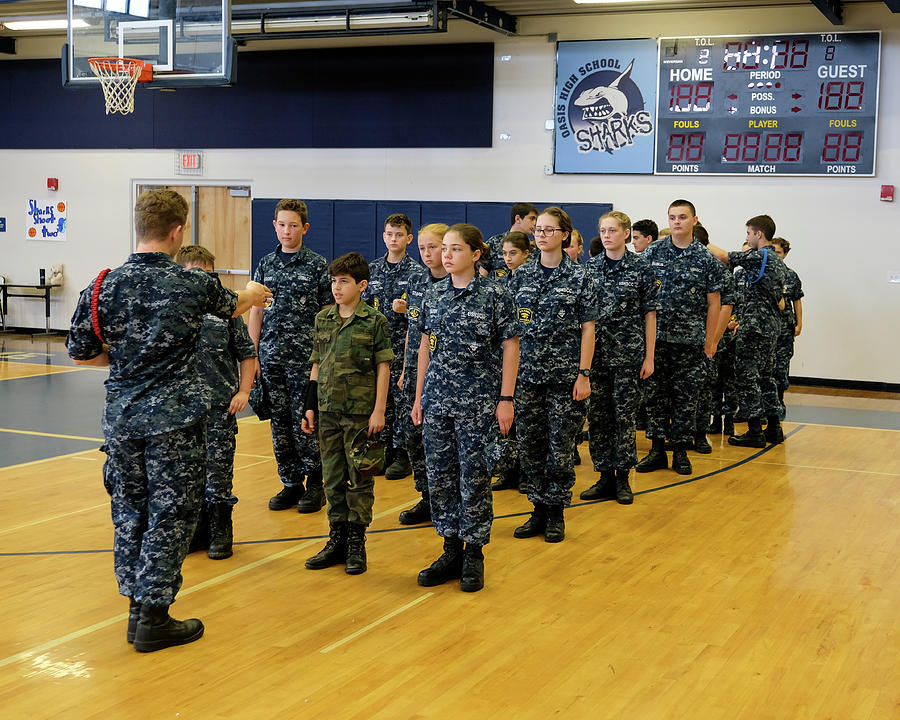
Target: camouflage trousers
{"type": "Point", "coordinates": [548, 425]}
{"type": "Point", "coordinates": [221, 430]}
{"type": "Point", "coordinates": [411, 434]}
{"type": "Point", "coordinates": [296, 453]}
{"type": "Point", "coordinates": [350, 494]}
{"type": "Point", "coordinates": [393, 435]}
{"type": "Point", "coordinates": [459, 483]}
{"type": "Point", "coordinates": [784, 351]}
{"type": "Point", "coordinates": [156, 484]}
{"type": "Point", "coordinates": [724, 392]}
{"type": "Point", "coordinates": [754, 359]}
{"type": "Point", "coordinates": [705, 401]}
{"type": "Point", "coordinates": [611, 413]}
{"type": "Point", "coordinates": [674, 389]}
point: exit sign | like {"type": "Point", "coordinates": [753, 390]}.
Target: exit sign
{"type": "Point", "coordinates": [189, 162]}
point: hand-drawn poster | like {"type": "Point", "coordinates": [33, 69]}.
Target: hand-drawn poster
{"type": "Point", "coordinates": [605, 106]}
{"type": "Point", "coordinates": [46, 220]}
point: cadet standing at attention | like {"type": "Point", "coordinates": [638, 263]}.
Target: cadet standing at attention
{"type": "Point", "coordinates": [283, 336]}
{"type": "Point", "coordinates": [522, 217]}
{"type": "Point", "coordinates": [791, 325]}
{"type": "Point", "coordinates": [623, 356]}
{"type": "Point", "coordinates": [143, 320]}
{"type": "Point", "coordinates": [348, 387]}
{"type": "Point", "coordinates": [463, 392]}
{"type": "Point", "coordinates": [228, 366]}
{"type": "Point", "coordinates": [387, 292]}
{"type": "Point", "coordinates": [690, 284]}
{"type": "Point", "coordinates": [556, 302]}
{"type": "Point", "coordinates": [760, 324]}
{"type": "Point", "coordinates": [430, 239]}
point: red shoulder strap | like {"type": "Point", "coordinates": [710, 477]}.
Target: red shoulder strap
{"type": "Point", "coordinates": [95, 297]}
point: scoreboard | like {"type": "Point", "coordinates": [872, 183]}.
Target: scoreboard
{"type": "Point", "coordinates": [796, 104]}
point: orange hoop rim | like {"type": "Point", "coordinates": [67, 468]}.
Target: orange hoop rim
{"type": "Point", "coordinates": [114, 64]}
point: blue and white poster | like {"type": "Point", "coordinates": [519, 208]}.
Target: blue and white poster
{"type": "Point", "coordinates": [605, 120]}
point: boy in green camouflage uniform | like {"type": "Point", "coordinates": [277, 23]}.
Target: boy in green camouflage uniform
{"type": "Point", "coordinates": [348, 387]}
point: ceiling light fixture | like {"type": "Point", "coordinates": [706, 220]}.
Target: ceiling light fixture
{"type": "Point", "coordinates": [22, 24]}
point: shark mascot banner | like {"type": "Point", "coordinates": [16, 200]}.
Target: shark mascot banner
{"type": "Point", "coordinates": [605, 106]}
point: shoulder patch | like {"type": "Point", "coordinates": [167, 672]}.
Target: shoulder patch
{"type": "Point", "coordinates": [525, 315]}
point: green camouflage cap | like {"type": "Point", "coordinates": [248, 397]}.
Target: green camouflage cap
{"type": "Point", "coordinates": [367, 453]}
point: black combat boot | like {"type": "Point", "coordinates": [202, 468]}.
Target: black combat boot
{"type": "Point", "coordinates": [555, 530]}
{"type": "Point", "coordinates": [134, 614]}
{"type": "Point", "coordinates": [418, 513]}
{"type": "Point", "coordinates": [400, 467]}
{"type": "Point", "coordinates": [680, 462]}
{"type": "Point", "coordinates": [715, 427]}
{"type": "Point", "coordinates": [701, 444]}
{"type": "Point", "coordinates": [313, 499]}
{"type": "Point", "coordinates": [728, 425]}
{"type": "Point", "coordinates": [156, 630]}
{"type": "Point", "coordinates": [356, 549]}
{"type": "Point", "coordinates": [220, 531]}
{"type": "Point", "coordinates": [774, 433]}
{"type": "Point", "coordinates": [447, 567]}
{"type": "Point", "coordinates": [335, 550]}
{"type": "Point", "coordinates": [200, 538]}
{"type": "Point", "coordinates": [624, 496]}
{"type": "Point", "coordinates": [287, 498]}
{"type": "Point", "coordinates": [603, 489]}
{"type": "Point", "coordinates": [656, 459]}
{"type": "Point", "coordinates": [752, 438]}
{"type": "Point", "coordinates": [534, 525]}
{"type": "Point", "coordinates": [472, 575]}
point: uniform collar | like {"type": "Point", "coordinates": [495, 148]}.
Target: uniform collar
{"type": "Point", "coordinates": [160, 258]}
{"type": "Point", "coordinates": [362, 310]}
{"type": "Point", "coordinates": [287, 258]}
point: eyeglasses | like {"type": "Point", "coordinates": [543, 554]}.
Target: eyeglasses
{"type": "Point", "coordinates": [547, 231]}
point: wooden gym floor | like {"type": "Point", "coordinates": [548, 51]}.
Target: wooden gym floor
{"type": "Point", "coordinates": [763, 586]}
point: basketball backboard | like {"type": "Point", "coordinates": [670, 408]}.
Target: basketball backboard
{"type": "Point", "coordinates": [187, 41]}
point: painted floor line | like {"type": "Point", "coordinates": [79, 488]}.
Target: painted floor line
{"type": "Point", "coordinates": [49, 645]}
{"type": "Point", "coordinates": [66, 456]}
{"type": "Point", "coordinates": [52, 435]}
{"type": "Point", "coordinates": [51, 518]}
{"type": "Point", "coordinates": [376, 623]}
{"type": "Point", "coordinates": [834, 469]}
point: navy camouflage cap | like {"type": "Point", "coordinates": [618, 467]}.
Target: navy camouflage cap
{"type": "Point", "coordinates": [367, 453]}
{"type": "Point", "coordinates": [495, 448]}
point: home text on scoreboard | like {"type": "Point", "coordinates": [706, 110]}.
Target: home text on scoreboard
{"type": "Point", "coordinates": [801, 104]}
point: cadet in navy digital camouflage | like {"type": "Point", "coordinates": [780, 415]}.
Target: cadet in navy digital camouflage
{"type": "Point", "coordinates": [623, 356]}
{"type": "Point", "coordinates": [522, 217]}
{"type": "Point", "coordinates": [429, 240]}
{"type": "Point", "coordinates": [516, 252]}
{"type": "Point", "coordinates": [387, 292]}
{"type": "Point", "coordinates": [145, 325]}
{"type": "Point", "coordinates": [556, 302]}
{"type": "Point", "coordinates": [711, 369]}
{"type": "Point", "coordinates": [760, 323]}
{"type": "Point", "coordinates": [690, 283]}
{"type": "Point", "coordinates": [282, 332]}
{"type": "Point", "coordinates": [350, 359]}
{"type": "Point", "coordinates": [791, 325]}
{"type": "Point", "coordinates": [227, 364]}
{"type": "Point", "coordinates": [464, 391]}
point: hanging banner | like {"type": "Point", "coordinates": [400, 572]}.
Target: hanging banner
{"type": "Point", "coordinates": [605, 99]}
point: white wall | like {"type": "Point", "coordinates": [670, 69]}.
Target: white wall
{"type": "Point", "coordinates": [843, 238]}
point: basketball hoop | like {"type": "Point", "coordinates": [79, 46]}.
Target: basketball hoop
{"type": "Point", "coordinates": [118, 78]}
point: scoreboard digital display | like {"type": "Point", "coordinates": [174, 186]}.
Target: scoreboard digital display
{"type": "Point", "coordinates": [801, 104]}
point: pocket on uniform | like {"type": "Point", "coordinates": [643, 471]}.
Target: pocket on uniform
{"type": "Point", "coordinates": [361, 350]}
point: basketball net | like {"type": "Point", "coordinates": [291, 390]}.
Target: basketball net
{"type": "Point", "coordinates": [118, 78]}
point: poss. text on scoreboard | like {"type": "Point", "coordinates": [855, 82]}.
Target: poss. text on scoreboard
{"type": "Point", "coordinates": [795, 104]}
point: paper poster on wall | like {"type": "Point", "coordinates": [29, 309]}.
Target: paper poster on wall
{"type": "Point", "coordinates": [604, 106]}
{"type": "Point", "coordinates": [46, 220]}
